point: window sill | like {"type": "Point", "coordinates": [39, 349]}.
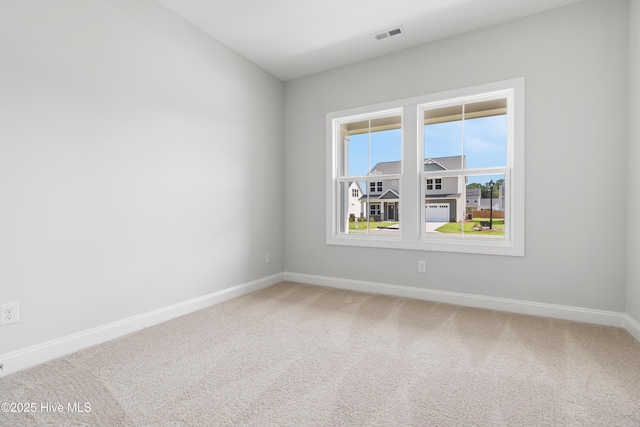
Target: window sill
{"type": "Point", "coordinates": [434, 244]}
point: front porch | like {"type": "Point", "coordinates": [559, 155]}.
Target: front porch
{"type": "Point", "coordinates": [384, 211]}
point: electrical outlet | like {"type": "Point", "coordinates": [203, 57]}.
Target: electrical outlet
{"type": "Point", "coordinates": [267, 258]}
{"type": "Point", "coordinates": [8, 313]}
{"type": "Point", "coordinates": [422, 266]}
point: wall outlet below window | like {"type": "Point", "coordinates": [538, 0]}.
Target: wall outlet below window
{"type": "Point", "coordinates": [422, 266]}
{"type": "Point", "coordinates": [267, 258]}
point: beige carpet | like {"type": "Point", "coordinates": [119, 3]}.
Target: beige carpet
{"type": "Point", "coordinates": [302, 355]}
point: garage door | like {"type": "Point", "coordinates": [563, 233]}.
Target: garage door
{"type": "Point", "coordinates": [437, 212]}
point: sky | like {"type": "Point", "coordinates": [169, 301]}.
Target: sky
{"type": "Point", "coordinates": [485, 142]}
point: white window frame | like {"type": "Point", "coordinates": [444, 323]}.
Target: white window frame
{"type": "Point", "coordinates": [411, 179]}
{"type": "Point", "coordinates": [338, 162]}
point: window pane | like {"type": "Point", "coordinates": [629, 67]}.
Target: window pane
{"type": "Point", "coordinates": [485, 207]}
{"type": "Point", "coordinates": [375, 213]}
{"type": "Point", "coordinates": [352, 204]}
{"type": "Point", "coordinates": [442, 203]}
{"type": "Point", "coordinates": [386, 145]}
{"type": "Point", "coordinates": [443, 132]}
{"type": "Point", "coordinates": [357, 155]}
{"type": "Point", "coordinates": [475, 211]}
{"type": "Point", "coordinates": [485, 134]}
{"type": "Point", "coordinates": [370, 145]}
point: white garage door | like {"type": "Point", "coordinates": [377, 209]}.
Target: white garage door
{"type": "Point", "coordinates": [437, 212]}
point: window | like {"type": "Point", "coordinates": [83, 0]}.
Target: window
{"type": "Point", "coordinates": [370, 147]}
{"type": "Point", "coordinates": [438, 185]}
{"type": "Point", "coordinates": [467, 139]}
{"type": "Point", "coordinates": [463, 159]}
{"type": "Point", "coordinates": [376, 186]}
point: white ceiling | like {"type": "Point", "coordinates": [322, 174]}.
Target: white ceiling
{"type": "Point", "coordinates": [294, 38]}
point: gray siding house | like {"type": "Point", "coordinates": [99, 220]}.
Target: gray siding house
{"type": "Point", "coordinates": [442, 196]}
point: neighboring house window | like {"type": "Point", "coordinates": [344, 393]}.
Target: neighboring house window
{"type": "Point", "coordinates": [437, 186]}
{"type": "Point", "coordinates": [376, 186]}
{"type": "Point", "coordinates": [355, 192]}
{"type": "Point", "coordinates": [468, 139]}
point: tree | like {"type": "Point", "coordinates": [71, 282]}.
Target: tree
{"type": "Point", "coordinates": [484, 188]}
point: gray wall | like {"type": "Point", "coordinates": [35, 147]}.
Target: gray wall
{"type": "Point", "coordinates": [140, 165]}
{"type": "Point", "coordinates": [633, 253]}
{"type": "Point", "coordinates": [574, 60]}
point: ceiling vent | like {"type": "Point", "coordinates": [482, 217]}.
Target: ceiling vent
{"type": "Point", "coordinates": [388, 33]}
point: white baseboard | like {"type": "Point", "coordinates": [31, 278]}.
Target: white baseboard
{"type": "Point", "coordinates": [587, 315]}
{"type": "Point", "coordinates": [632, 326]}
{"type": "Point", "coordinates": [40, 353]}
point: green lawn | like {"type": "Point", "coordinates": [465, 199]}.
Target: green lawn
{"type": "Point", "coordinates": [454, 227]}
{"type": "Point", "coordinates": [362, 225]}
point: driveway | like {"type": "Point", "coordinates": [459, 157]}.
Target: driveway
{"type": "Point", "coordinates": [432, 226]}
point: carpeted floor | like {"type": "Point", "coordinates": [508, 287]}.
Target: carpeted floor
{"type": "Point", "coordinates": [300, 355]}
